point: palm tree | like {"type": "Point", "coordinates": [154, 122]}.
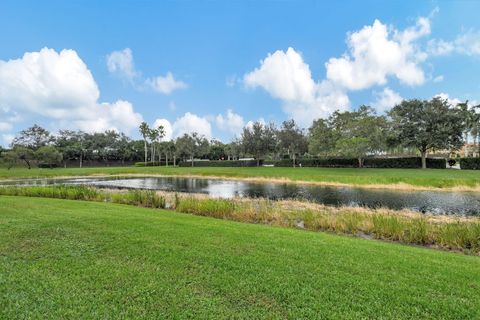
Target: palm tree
{"type": "Point", "coordinates": [144, 131]}
{"type": "Point", "coordinates": [153, 135]}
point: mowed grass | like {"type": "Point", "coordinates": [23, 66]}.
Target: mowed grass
{"type": "Point", "coordinates": [434, 178]}
{"type": "Point", "coordinates": [73, 259]}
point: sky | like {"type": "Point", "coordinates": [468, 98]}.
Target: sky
{"type": "Point", "coordinates": [216, 66]}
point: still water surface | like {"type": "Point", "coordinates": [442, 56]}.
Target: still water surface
{"type": "Point", "coordinates": [434, 202]}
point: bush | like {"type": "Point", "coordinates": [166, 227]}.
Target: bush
{"type": "Point", "coordinates": [221, 163]}
{"type": "Point", "coordinates": [153, 164]}
{"type": "Point", "coordinates": [470, 163]}
{"type": "Point", "coordinates": [407, 162]}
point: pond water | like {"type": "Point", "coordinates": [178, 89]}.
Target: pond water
{"type": "Point", "coordinates": [433, 202]}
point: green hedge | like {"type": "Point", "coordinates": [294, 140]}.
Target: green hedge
{"type": "Point", "coordinates": [221, 163]}
{"type": "Point", "coordinates": [470, 163]}
{"type": "Point", "coordinates": [407, 162]}
{"type": "Point", "coordinates": [153, 164]}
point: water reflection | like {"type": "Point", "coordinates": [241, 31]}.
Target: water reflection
{"type": "Point", "coordinates": [436, 202]}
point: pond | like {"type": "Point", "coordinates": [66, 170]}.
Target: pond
{"type": "Point", "coordinates": [433, 202]}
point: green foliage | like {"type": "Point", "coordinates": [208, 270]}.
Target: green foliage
{"type": "Point", "coordinates": [48, 157]}
{"type": "Point", "coordinates": [470, 163]}
{"type": "Point", "coordinates": [221, 163]}
{"type": "Point", "coordinates": [427, 125]}
{"type": "Point", "coordinates": [259, 140]}
{"type": "Point", "coordinates": [407, 162]}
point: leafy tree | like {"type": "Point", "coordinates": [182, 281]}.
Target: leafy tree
{"type": "Point", "coordinates": [321, 138]}
{"type": "Point", "coordinates": [427, 125]}
{"type": "Point", "coordinates": [259, 140]}
{"type": "Point", "coordinates": [233, 149]}
{"type": "Point", "coordinates": [18, 154]}
{"type": "Point", "coordinates": [168, 149]}
{"type": "Point", "coordinates": [48, 156]}
{"type": "Point", "coordinates": [292, 139]}
{"type": "Point", "coordinates": [33, 138]}
{"type": "Point", "coordinates": [358, 133]}
{"type": "Point", "coordinates": [72, 144]}
{"type": "Point", "coordinates": [217, 150]}
{"type": "Point", "coordinates": [191, 145]}
{"type": "Point", "coordinates": [144, 131]}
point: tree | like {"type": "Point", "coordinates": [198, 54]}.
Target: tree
{"type": "Point", "coordinates": [191, 145]}
{"type": "Point", "coordinates": [71, 144]}
{"type": "Point", "coordinates": [233, 149]}
{"type": "Point", "coordinates": [33, 138]}
{"type": "Point", "coordinates": [358, 133]}
{"type": "Point", "coordinates": [19, 153]}
{"type": "Point", "coordinates": [144, 131]}
{"type": "Point", "coordinates": [321, 138]}
{"type": "Point", "coordinates": [259, 140]}
{"type": "Point", "coordinates": [217, 150]}
{"type": "Point", "coordinates": [48, 156]}
{"type": "Point", "coordinates": [168, 149]}
{"type": "Point", "coordinates": [292, 139]}
{"type": "Point", "coordinates": [427, 125]}
{"type": "Point", "coordinates": [153, 135]}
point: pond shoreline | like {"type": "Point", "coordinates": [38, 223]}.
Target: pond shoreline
{"type": "Point", "coordinates": [397, 186]}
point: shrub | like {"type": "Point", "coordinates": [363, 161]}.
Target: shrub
{"type": "Point", "coordinates": [221, 163]}
{"type": "Point", "coordinates": [470, 163]}
{"type": "Point", "coordinates": [406, 162]}
{"type": "Point", "coordinates": [153, 164]}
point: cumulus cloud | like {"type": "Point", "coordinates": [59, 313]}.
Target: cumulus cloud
{"type": "Point", "coordinates": [121, 63]}
{"type": "Point", "coordinates": [60, 87]}
{"type": "Point", "coordinates": [165, 84]}
{"type": "Point", "coordinates": [167, 127]}
{"type": "Point", "coordinates": [439, 78]}
{"type": "Point", "coordinates": [230, 122]}
{"type": "Point", "coordinates": [285, 76]}
{"type": "Point", "coordinates": [190, 123]}
{"type": "Point", "coordinates": [376, 52]}
{"type": "Point", "coordinates": [467, 43]}
{"type": "Point", "coordinates": [5, 126]}
{"type": "Point", "coordinates": [7, 139]}
{"type": "Point", "coordinates": [386, 99]}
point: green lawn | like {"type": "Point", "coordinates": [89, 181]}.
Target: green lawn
{"type": "Point", "coordinates": [69, 259]}
{"type": "Point", "coordinates": [416, 177]}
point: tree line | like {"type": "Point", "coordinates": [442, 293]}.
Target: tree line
{"type": "Point", "coordinates": [411, 127]}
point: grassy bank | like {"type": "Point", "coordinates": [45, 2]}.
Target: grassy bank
{"type": "Point", "coordinates": [444, 232]}
{"type": "Point", "coordinates": [72, 259]}
{"type": "Point", "coordinates": [395, 178]}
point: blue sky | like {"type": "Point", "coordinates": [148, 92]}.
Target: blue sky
{"type": "Point", "coordinates": [214, 66]}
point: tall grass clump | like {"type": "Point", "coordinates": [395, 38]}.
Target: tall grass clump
{"type": "Point", "coordinates": [59, 192]}
{"type": "Point", "coordinates": [142, 198]}
{"type": "Point", "coordinates": [217, 208]}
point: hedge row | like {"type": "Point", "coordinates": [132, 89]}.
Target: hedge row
{"type": "Point", "coordinates": [408, 162]}
{"type": "Point", "coordinates": [153, 164]}
{"type": "Point", "coordinates": [470, 163]}
{"type": "Point", "coordinates": [221, 163]}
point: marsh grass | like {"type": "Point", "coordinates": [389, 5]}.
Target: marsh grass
{"type": "Point", "coordinates": [141, 198]}
{"type": "Point", "coordinates": [462, 234]}
{"type": "Point", "coordinates": [450, 233]}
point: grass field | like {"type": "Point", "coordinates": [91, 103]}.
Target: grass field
{"type": "Point", "coordinates": [72, 259]}
{"type": "Point", "coordinates": [430, 178]}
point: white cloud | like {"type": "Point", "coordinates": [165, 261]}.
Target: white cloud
{"type": "Point", "coordinates": [386, 99]}
{"type": "Point", "coordinates": [165, 84]}
{"type": "Point", "coordinates": [59, 86]}
{"type": "Point", "coordinates": [439, 78]}
{"type": "Point", "coordinates": [5, 126]}
{"type": "Point", "coordinates": [446, 96]}
{"type": "Point", "coordinates": [467, 43]}
{"type": "Point", "coordinates": [377, 52]}
{"type": "Point", "coordinates": [285, 76]}
{"type": "Point", "coordinates": [190, 123]}
{"type": "Point", "coordinates": [7, 139]}
{"type": "Point", "coordinates": [230, 122]}
{"type": "Point", "coordinates": [167, 127]}
{"type": "Point", "coordinates": [121, 63]}
{"type": "Point", "coordinates": [250, 123]}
